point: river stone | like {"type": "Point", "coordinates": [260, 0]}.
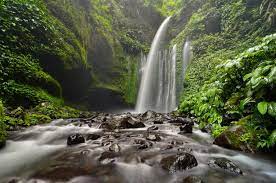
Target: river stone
{"type": "Point", "coordinates": [75, 139]}
{"type": "Point", "coordinates": [115, 148]}
{"type": "Point", "coordinates": [93, 137]}
{"type": "Point", "coordinates": [143, 144]}
{"type": "Point", "coordinates": [192, 179]}
{"type": "Point", "coordinates": [153, 137]}
{"type": "Point", "coordinates": [175, 163]}
{"type": "Point", "coordinates": [108, 155]}
{"type": "Point", "coordinates": [225, 164]}
{"type": "Point", "coordinates": [130, 122]}
{"type": "Point", "coordinates": [186, 128]}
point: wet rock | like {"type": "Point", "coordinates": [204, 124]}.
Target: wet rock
{"type": "Point", "coordinates": [153, 137]}
{"type": "Point", "coordinates": [93, 137]}
{"type": "Point", "coordinates": [158, 122]}
{"type": "Point", "coordinates": [143, 144]}
{"type": "Point", "coordinates": [186, 128]}
{"type": "Point", "coordinates": [207, 129]}
{"type": "Point", "coordinates": [108, 155]}
{"type": "Point", "coordinates": [225, 164]}
{"type": "Point", "coordinates": [149, 115]}
{"type": "Point", "coordinates": [192, 179]}
{"type": "Point", "coordinates": [130, 122]}
{"type": "Point", "coordinates": [231, 139]}
{"type": "Point", "coordinates": [107, 126]}
{"type": "Point", "coordinates": [115, 148]}
{"type": "Point", "coordinates": [75, 139]}
{"type": "Point", "coordinates": [181, 121]}
{"type": "Point", "coordinates": [175, 163]}
{"type": "Point", "coordinates": [153, 128]}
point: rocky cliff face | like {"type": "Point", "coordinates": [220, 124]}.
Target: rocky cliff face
{"type": "Point", "coordinates": [73, 47]}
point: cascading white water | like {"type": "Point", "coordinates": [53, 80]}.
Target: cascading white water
{"type": "Point", "coordinates": [187, 58]}
{"type": "Point", "coordinates": [157, 90]}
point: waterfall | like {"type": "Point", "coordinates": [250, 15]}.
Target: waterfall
{"type": "Point", "coordinates": [187, 57]}
{"type": "Point", "coordinates": [158, 84]}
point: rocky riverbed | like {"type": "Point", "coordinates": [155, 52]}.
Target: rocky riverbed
{"type": "Point", "coordinates": [126, 148]}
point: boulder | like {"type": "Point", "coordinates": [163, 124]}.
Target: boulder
{"type": "Point", "coordinates": [225, 164]}
{"type": "Point", "coordinates": [93, 137]}
{"type": "Point", "coordinates": [75, 139]}
{"type": "Point", "coordinates": [231, 139]}
{"type": "Point", "coordinates": [186, 128]}
{"type": "Point", "coordinates": [192, 179]}
{"type": "Point", "coordinates": [129, 122]}
{"type": "Point", "coordinates": [180, 162]}
{"type": "Point", "coordinates": [149, 115]}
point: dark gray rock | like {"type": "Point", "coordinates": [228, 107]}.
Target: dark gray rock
{"type": "Point", "coordinates": [75, 139]}
{"type": "Point", "coordinates": [175, 163]}
{"type": "Point", "coordinates": [93, 137]}
{"type": "Point", "coordinates": [186, 128]}
{"type": "Point", "coordinates": [129, 122]}
{"type": "Point", "coordinates": [225, 164]}
{"type": "Point", "coordinates": [143, 144]}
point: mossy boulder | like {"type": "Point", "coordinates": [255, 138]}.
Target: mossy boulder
{"type": "Point", "coordinates": [231, 139]}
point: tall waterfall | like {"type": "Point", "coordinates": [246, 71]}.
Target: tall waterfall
{"type": "Point", "coordinates": [158, 85]}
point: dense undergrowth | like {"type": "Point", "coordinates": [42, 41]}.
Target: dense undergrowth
{"type": "Point", "coordinates": [227, 83]}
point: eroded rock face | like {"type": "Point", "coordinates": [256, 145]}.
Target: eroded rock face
{"type": "Point", "coordinates": [175, 163]}
{"type": "Point", "coordinates": [75, 139]}
{"type": "Point", "coordinates": [225, 164]}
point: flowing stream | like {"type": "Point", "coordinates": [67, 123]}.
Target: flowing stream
{"type": "Point", "coordinates": [40, 154]}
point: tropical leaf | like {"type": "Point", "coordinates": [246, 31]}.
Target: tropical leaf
{"type": "Point", "coordinates": [262, 107]}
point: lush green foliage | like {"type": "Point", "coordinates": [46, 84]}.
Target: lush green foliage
{"type": "Point", "coordinates": [242, 86]}
{"type": "Point", "coordinates": [166, 7]}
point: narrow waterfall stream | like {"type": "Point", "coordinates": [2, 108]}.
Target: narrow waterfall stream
{"type": "Point", "coordinates": [40, 154]}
